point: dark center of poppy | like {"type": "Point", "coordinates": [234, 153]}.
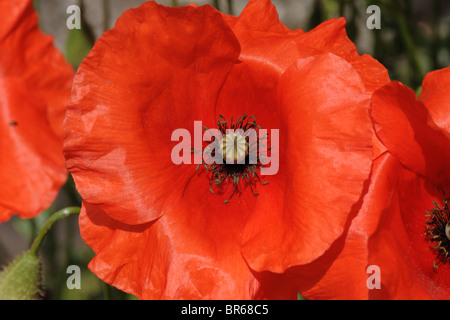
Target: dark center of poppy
{"type": "Point", "coordinates": [438, 231]}
{"type": "Point", "coordinates": [235, 152]}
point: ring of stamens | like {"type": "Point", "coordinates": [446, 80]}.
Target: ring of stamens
{"type": "Point", "coordinates": [234, 151]}
{"type": "Point", "coordinates": [438, 231]}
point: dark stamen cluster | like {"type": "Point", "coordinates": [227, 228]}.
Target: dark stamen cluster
{"type": "Point", "coordinates": [437, 231]}
{"type": "Point", "coordinates": [236, 172]}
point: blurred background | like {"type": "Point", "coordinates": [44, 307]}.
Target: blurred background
{"type": "Point", "coordinates": [413, 39]}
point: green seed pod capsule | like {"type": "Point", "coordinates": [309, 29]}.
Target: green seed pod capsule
{"type": "Point", "coordinates": [20, 279]}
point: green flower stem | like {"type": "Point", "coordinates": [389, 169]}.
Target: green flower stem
{"type": "Point", "coordinates": [408, 41]}
{"type": "Point", "coordinates": [106, 291]}
{"type": "Point", "coordinates": [216, 4]}
{"type": "Point", "coordinates": [106, 11]}
{"type": "Point", "coordinates": [230, 7]}
{"type": "Point", "coordinates": [50, 222]}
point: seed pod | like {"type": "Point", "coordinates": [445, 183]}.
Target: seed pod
{"type": "Point", "coordinates": [20, 279]}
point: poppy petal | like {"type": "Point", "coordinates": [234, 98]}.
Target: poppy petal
{"type": "Point", "coordinates": [29, 54]}
{"type": "Point", "coordinates": [167, 258]}
{"type": "Point", "coordinates": [347, 258]}
{"type": "Point", "coordinates": [341, 273]}
{"type": "Point", "coordinates": [325, 160]}
{"type": "Point", "coordinates": [399, 247]}
{"type": "Point", "coordinates": [268, 42]}
{"type": "Point", "coordinates": [331, 36]}
{"type": "Point", "coordinates": [436, 98]}
{"type": "Point", "coordinates": [31, 171]}
{"type": "Point", "coordinates": [405, 127]}
{"type": "Point", "coordinates": [123, 109]}
{"type": "Point", "coordinates": [260, 15]}
{"type": "Point", "coordinates": [35, 83]}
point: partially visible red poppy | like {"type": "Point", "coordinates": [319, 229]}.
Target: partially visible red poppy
{"type": "Point", "coordinates": [35, 83]}
{"type": "Point", "coordinates": [411, 242]}
{"type": "Point", "coordinates": [156, 229]}
{"type": "Point", "coordinates": [389, 229]}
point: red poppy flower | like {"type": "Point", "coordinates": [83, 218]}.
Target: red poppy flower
{"type": "Point", "coordinates": [35, 84]}
{"type": "Point", "coordinates": [156, 228]}
{"type": "Point", "coordinates": [411, 243]}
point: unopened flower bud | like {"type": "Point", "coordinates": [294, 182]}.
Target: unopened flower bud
{"type": "Point", "coordinates": [20, 279]}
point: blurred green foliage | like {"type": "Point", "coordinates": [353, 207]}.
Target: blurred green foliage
{"type": "Point", "coordinates": [80, 41]}
{"type": "Point", "coordinates": [414, 37]}
{"type": "Point", "coordinates": [78, 46]}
